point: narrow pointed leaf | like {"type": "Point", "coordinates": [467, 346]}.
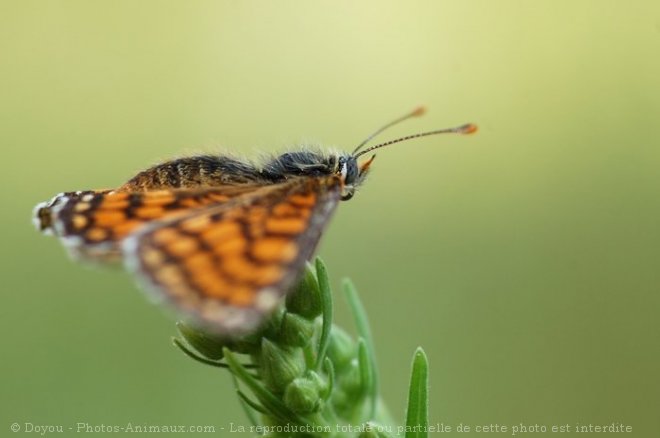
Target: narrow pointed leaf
{"type": "Point", "coordinates": [251, 404]}
{"type": "Point", "coordinates": [326, 297]}
{"type": "Point", "coordinates": [366, 372]}
{"type": "Point", "coordinates": [330, 372]}
{"type": "Point", "coordinates": [417, 416]}
{"type": "Point", "coordinates": [246, 403]}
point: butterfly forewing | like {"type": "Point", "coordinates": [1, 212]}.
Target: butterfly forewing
{"type": "Point", "coordinates": [225, 266]}
{"type": "Point", "coordinates": [92, 223]}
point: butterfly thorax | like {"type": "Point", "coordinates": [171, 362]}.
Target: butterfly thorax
{"type": "Point", "coordinates": [301, 163]}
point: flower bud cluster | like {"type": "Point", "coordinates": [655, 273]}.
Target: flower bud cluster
{"type": "Point", "coordinates": [296, 375]}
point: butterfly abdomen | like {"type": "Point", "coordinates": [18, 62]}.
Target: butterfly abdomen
{"type": "Point", "coordinates": [193, 172]}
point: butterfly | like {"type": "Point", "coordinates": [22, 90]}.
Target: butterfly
{"type": "Point", "coordinates": [219, 238]}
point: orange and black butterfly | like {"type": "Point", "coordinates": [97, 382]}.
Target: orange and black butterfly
{"type": "Point", "coordinates": [219, 238]}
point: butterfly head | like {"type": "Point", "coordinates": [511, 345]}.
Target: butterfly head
{"type": "Point", "coordinates": [352, 174]}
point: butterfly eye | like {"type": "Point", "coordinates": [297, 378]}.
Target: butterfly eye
{"type": "Point", "coordinates": [343, 171]}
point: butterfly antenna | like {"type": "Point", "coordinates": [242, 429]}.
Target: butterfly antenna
{"type": "Point", "coordinates": [468, 128]}
{"type": "Point", "coordinates": [419, 111]}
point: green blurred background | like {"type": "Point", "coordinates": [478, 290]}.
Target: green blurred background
{"type": "Point", "coordinates": [524, 259]}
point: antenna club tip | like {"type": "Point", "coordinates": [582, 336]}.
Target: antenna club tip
{"type": "Point", "coordinates": [468, 128]}
{"type": "Point", "coordinates": [419, 111]}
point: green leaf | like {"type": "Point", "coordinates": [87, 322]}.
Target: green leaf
{"type": "Point", "coordinates": [362, 324]}
{"type": "Point", "coordinates": [326, 297]}
{"type": "Point", "coordinates": [417, 416]}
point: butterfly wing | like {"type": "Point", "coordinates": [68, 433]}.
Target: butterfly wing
{"type": "Point", "coordinates": [92, 223]}
{"type": "Point", "coordinates": [226, 266]}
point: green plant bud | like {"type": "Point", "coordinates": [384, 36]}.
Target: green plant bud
{"type": "Point", "coordinates": [302, 396]}
{"type": "Point", "coordinates": [346, 398]}
{"type": "Point", "coordinates": [351, 379]}
{"type": "Point", "coordinates": [251, 343]}
{"type": "Point", "coordinates": [270, 327]}
{"type": "Point", "coordinates": [305, 299]}
{"type": "Point", "coordinates": [340, 402]}
{"type": "Point", "coordinates": [320, 382]}
{"type": "Point", "coordinates": [244, 346]}
{"type": "Point", "coordinates": [296, 331]}
{"type": "Point", "coordinates": [342, 349]}
{"type": "Point", "coordinates": [280, 365]}
{"type": "Point", "coordinates": [207, 345]}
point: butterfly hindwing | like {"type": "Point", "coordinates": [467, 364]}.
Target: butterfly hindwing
{"type": "Point", "coordinates": [92, 223]}
{"type": "Point", "coordinates": [226, 266]}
